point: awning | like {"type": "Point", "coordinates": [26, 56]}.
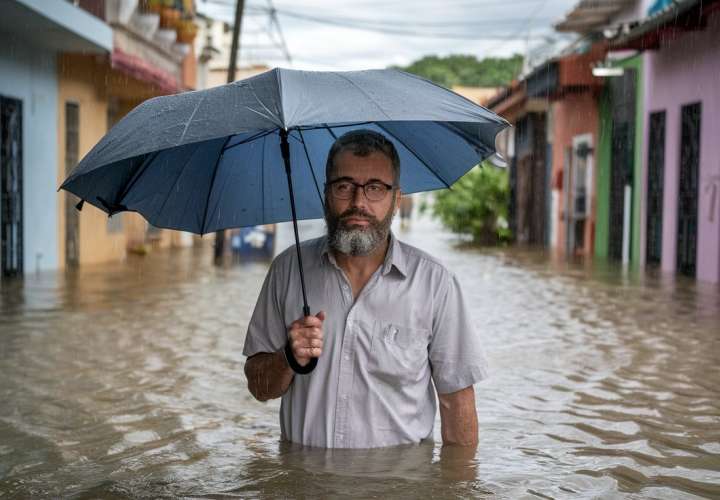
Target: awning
{"type": "Point", "coordinates": [57, 26]}
{"type": "Point", "coordinates": [142, 70]}
{"type": "Point", "coordinates": [508, 100]}
{"type": "Point", "coordinates": [678, 17]}
{"type": "Point", "coordinates": [571, 72]}
{"type": "Point", "coordinates": [591, 15]}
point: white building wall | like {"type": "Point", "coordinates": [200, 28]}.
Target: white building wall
{"type": "Point", "coordinates": [30, 75]}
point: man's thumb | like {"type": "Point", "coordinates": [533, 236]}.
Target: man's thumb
{"type": "Point", "coordinates": [320, 315]}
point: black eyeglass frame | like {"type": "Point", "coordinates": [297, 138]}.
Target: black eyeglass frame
{"type": "Point", "coordinates": [389, 187]}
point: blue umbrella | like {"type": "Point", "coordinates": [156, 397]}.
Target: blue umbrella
{"type": "Point", "coordinates": [253, 151]}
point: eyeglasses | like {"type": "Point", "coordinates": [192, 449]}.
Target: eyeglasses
{"type": "Point", "coordinates": [344, 189]}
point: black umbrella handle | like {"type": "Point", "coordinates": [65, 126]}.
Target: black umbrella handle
{"type": "Point", "coordinates": [285, 150]}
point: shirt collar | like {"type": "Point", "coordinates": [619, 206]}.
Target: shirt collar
{"type": "Point", "coordinates": [395, 257]}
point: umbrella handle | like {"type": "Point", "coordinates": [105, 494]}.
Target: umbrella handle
{"type": "Point", "coordinates": [285, 150]}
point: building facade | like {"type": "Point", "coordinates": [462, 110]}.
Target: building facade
{"type": "Point", "coordinates": [33, 33]}
{"type": "Point", "coordinates": [149, 57]}
{"type": "Point", "coordinates": [527, 149]}
{"type": "Point", "coordinates": [567, 84]}
{"type": "Point", "coordinates": [68, 72]}
{"type": "Point", "coordinates": [680, 175]}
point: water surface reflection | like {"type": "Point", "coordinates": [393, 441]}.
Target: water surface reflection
{"type": "Point", "coordinates": [126, 381]}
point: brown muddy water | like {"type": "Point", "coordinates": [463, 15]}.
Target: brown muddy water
{"type": "Point", "coordinates": [126, 381]}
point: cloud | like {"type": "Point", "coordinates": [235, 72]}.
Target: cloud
{"type": "Point", "coordinates": [333, 45]}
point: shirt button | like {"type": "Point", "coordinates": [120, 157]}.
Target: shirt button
{"type": "Point", "coordinates": [347, 357]}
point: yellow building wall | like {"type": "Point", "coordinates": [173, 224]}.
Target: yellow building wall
{"type": "Point", "coordinates": [78, 82]}
{"type": "Point", "coordinates": [130, 93]}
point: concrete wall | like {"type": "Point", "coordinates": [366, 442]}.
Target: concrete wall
{"type": "Point", "coordinates": [76, 84]}
{"type": "Point", "coordinates": [29, 74]}
{"type": "Point", "coordinates": [685, 71]}
{"type": "Point", "coordinates": [575, 114]}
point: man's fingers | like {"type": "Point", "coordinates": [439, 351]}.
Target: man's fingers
{"type": "Point", "coordinates": [307, 352]}
{"type": "Point", "coordinates": [306, 337]}
{"type": "Point", "coordinates": [309, 333]}
{"type": "Point", "coordinates": [306, 343]}
{"type": "Point", "coordinates": [317, 321]}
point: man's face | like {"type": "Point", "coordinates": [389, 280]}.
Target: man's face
{"type": "Point", "coordinates": [359, 226]}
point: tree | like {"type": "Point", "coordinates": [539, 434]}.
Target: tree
{"type": "Point", "coordinates": [467, 70]}
{"type": "Point", "coordinates": [477, 205]}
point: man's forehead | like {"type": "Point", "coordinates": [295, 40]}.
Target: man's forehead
{"type": "Point", "coordinates": [376, 164]}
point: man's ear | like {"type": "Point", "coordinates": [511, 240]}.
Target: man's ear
{"type": "Point", "coordinates": [398, 198]}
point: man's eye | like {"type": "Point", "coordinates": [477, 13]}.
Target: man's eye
{"type": "Point", "coordinates": [375, 188]}
{"type": "Point", "coordinates": [342, 187]}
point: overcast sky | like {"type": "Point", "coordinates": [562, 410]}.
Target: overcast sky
{"type": "Point", "coordinates": [362, 34]}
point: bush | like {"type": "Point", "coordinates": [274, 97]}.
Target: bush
{"type": "Point", "coordinates": [477, 205]}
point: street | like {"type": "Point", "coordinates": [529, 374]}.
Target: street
{"type": "Point", "coordinates": [125, 380]}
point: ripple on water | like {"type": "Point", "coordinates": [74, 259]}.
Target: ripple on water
{"type": "Point", "coordinates": [126, 380]}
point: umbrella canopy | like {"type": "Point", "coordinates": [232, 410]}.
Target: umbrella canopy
{"type": "Point", "coordinates": [212, 159]}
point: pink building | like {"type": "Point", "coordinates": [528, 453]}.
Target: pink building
{"type": "Point", "coordinates": [680, 211]}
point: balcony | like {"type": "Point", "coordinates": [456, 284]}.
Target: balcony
{"type": "Point", "coordinates": [64, 28]}
{"type": "Point", "coordinates": [152, 42]}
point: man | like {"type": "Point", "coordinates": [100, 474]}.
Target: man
{"type": "Point", "coordinates": [392, 321]}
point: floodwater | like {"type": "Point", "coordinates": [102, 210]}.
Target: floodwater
{"type": "Point", "coordinates": [126, 381]}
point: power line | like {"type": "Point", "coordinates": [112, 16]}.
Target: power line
{"type": "Point", "coordinates": [394, 31]}
{"type": "Point", "coordinates": [386, 23]}
{"type": "Point", "coordinates": [274, 21]}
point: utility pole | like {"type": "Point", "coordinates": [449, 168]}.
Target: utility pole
{"type": "Point", "coordinates": [232, 67]}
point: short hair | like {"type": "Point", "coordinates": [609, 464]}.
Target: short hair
{"type": "Point", "coordinates": [363, 142]}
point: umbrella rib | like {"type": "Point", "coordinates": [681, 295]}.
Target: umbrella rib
{"type": "Point", "coordinates": [339, 125]}
{"type": "Point", "coordinates": [415, 154]}
{"type": "Point", "coordinates": [187, 124]}
{"type": "Point", "coordinates": [245, 141]}
{"type": "Point", "coordinates": [212, 183]}
{"type": "Point", "coordinates": [177, 179]}
{"type": "Point", "coordinates": [312, 170]}
{"type": "Point", "coordinates": [278, 77]}
{"type": "Point", "coordinates": [368, 96]}
{"type": "Point", "coordinates": [327, 127]}
{"type": "Point", "coordinates": [457, 130]}
{"type": "Point", "coordinates": [137, 175]}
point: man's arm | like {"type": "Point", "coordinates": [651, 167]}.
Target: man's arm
{"type": "Point", "coordinates": [459, 425]}
{"type": "Point", "coordinates": [268, 375]}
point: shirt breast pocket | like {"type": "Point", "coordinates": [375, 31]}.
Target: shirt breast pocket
{"type": "Point", "coordinates": [400, 353]}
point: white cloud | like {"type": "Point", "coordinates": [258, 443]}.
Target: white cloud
{"type": "Point", "coordinates": [322, 46]}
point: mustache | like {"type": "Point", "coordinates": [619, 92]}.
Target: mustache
{"type": "Point", "coordinates": [356, 212]}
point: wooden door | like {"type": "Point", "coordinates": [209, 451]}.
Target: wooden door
{"type": "Point", "coordinates": [72, 153]}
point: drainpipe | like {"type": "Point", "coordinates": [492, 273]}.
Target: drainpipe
{"type": "Point", "coordinates": [626, 225]}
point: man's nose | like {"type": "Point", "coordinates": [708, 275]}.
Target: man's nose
{"type": "Point", "coordinates": [359, 199]}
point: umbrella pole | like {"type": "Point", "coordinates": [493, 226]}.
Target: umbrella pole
{"type": "Point", "coordinates": [285, 149]}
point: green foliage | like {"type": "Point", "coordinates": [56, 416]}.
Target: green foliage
{"type": "Point", "coordinates": [467, 70]}
{"type": "Point", "coordinates": [477, 205]}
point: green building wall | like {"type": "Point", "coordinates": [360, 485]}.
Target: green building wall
{"type": "Point", "coordinates": [604, 148]}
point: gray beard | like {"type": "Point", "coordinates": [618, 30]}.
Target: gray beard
{"type": "Point", "coordinates": [357, 242]}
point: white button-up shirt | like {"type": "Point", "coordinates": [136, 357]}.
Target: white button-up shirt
{"type": "Point", "coordinates": [408, 329]}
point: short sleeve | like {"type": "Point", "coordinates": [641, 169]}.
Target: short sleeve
{"type": "Point", "coordinates": [267, 331]}
{"type": "Point", "coordinates": [455, 351]}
